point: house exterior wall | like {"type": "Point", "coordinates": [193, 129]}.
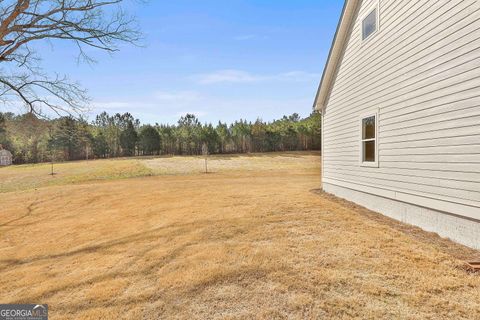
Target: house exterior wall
{"type": "Point", "coordinates": [421, 73]}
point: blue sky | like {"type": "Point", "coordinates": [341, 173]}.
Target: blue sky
{"type": "Point", "coordinates": [222, 60]}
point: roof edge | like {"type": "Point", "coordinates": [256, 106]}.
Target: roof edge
{"type": "Point", "coordinates": [336, 51]}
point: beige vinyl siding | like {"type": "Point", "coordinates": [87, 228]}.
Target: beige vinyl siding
{"type": "Point", "coordinates": [421, 73]}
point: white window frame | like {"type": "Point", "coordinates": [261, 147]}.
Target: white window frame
{"type": "Point", "coordinates": [376, 6]}
{"type": "Point", "coordinates": [373, 164]}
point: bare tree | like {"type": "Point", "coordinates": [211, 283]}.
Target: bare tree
{"type": "Point", "coordinates": [100, 24]}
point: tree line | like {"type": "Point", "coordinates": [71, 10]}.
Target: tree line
{"type": "Point", "coordinates": [32, 139]}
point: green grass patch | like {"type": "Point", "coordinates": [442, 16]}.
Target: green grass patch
{"type": "Point", "coordinates": [25, 177]}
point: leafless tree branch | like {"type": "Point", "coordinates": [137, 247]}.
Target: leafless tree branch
{"type": "Point", "coordinates": [100, 24]}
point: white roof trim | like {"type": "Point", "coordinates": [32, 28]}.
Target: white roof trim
{"type": "Point", "coordinates": [336, 52]}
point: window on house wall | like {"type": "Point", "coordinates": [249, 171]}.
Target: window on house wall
{"type": "Point", "coordinates": [369, 139]}
{"type": "Point", "coordinates": [370, 24]}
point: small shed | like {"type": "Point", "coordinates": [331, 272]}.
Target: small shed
{"type": "Point", "coordinates": [5, 157]}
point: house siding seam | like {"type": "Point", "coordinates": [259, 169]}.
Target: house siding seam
{"type": "Point", "coordinates": [421, 72]}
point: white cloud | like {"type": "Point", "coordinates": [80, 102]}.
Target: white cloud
{"type": "Point", "coordinates": [245, 37]}
{"type": "Point", "coordinates": [240, 76]}
{"type": "Point", "coordinates": [168, 107]}
{"type": "Point", "coordinates": [159, 106]}
{"type": "Point", "coordinates": [177, 97]}
{"type": "Point", "coordinates": [19, 107]}
{"type": "Point", "coordinates": [107, 105]}
{"type": "Point", "coordinates": [13, 105]}
{"type": "Point", "coordinates": [156, 100]}
{"type": "Point", "coordinates": [299, 76]}
{"type": "Point", "coordinates": [226, 76]}
{"type": "Point", "coordinates": [196, 113]}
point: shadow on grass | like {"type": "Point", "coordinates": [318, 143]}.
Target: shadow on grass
{"type": "Point", "coordinates": [141, 236]}
{"type": "Point", "coordinates": [139, 265]}
{"type": "Point", "coordinates": [29, 212]}
{"type": "Point", "coordinates": [445, 245]}
{"type": "Point", "coordinates": [152, 234]}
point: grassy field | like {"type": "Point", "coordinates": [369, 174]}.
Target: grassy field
{"type": "Point", "coordinates": [32, 176]}
{"type": "Point", "coordinates": [253, 239]}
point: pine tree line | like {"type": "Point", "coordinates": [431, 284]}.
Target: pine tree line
{"type": "Point", "coordinates": [33, 140]}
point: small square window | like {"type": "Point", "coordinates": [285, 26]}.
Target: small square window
{"type": "Point", "coordinates": [369, 153]}
{"type": "Point", "coordinates": [369, 24]}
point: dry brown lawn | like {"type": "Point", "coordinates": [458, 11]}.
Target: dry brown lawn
{"type": "Point", "coordinates": [254, 239]}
